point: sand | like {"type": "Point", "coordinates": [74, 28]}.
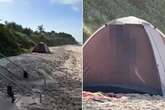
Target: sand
{"type": "Point", "coordinates": [62, 72]}
{"type": "Point", "coordinates": [111, 101]}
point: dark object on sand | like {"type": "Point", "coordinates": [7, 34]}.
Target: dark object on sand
{"type": "Point", "coordinates": [41, 48]}
{"type": "Point", "coordinates": [125, 56]}
{"type": "Point", "coordinates": [10, 93]}
{"type": "Point", "coordinates": [25, 75]}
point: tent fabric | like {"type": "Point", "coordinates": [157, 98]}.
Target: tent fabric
{"type": "Point", "coordinates": [41, 48]}
{"type": "Point", "coordinates": [121, 57]}
{"type": "Point", "coordinates": [130, 20]}
{"type": "Point", "coordinates": [159, 52]}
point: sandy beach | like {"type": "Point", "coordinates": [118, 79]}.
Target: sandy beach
{"type": "Point", "coordinates": [111, 101]}
{"type": "Point", "coordinates": [62, 70]}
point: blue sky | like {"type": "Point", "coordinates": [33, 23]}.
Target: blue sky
{"type": "Point", "coordinates": [57, 15]}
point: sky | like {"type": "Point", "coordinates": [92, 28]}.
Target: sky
{"type": "Point", "coordinates": [57, 15]}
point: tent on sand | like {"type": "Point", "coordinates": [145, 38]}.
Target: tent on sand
{"type": "Point", "coordinates": [41, 48]}
{"type": "Point", "coordinates": [126, 55]}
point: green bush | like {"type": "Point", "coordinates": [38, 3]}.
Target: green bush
{"type": "Point", "coordinates": [14, 39]}
{"type": "Point", "coordinates": [98, 12]}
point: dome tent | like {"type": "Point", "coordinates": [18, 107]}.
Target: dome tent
{"type": "Point", "coordinates": [125, 55]}
{"type": "Point", "coordinates": [41, 48]}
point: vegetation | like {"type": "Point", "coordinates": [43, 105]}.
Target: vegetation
{"type": "Point", "coordinates": [14, 39]}
{"type": "Point", "coordinates": [98, 12]}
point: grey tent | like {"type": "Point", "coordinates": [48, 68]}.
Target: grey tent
{"type": "Point", "coordinates": [41, 48]}
{"type": "Point", "coordinates": [125, 55]}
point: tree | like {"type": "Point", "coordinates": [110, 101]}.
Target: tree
{"type": "Point", "coordinates": [41, 28]}
{"type": "Point", "coordinates": [14, 26]}
{"type": "Point", "coordinates": [28, 31]}
{"type": "Point", "coordinates": [6, 22]}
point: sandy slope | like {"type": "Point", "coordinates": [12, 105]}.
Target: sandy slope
{"type": "Point", "coordinates": [5, 103]}
{"type": "Point", "coordinates": [62, 70]}
{"type": "Point", "coordinates": [110, 101]}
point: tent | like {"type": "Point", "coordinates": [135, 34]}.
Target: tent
{"type": "Point", "coordinates": [41, 48]}
{"type": "Point", "coordinates": [126, 55]}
